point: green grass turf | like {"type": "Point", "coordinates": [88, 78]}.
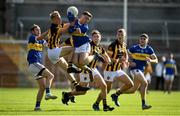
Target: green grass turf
{"type": "Point", "coordinates": [20, 101]}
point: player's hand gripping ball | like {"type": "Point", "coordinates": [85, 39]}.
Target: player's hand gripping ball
{"type": "Point", "coordinates": [72, 13]}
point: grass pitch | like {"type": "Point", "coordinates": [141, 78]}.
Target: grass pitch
{"type": "Point", "coordinates": [21, 101]}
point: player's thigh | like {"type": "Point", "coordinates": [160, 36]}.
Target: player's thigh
{"type": "Point", "coordinates": [66, 50]}
{"type": "Point", "coordinates": [47, 74]}
{"type": "Point", "coordinates": [125, 79]}
{"type": "Point", "coordinates": [172, 79]}
{"type": "Point", "coordinates": [41, 83]}
{"type": "Point", "coordinates": [82, 57]}
{"type": "Point", "coordinates": [99, 81]}
{"type": "Point", "coordinates": [166, 81]}
{"type": "Point", "coordinates": [137, 83]}
{"type": "Point", "coordinates": [75, 58]}
{"type": "Point", "coordinates": [62, 63]}
{"type": "Point", "coordinates": [140, 76]}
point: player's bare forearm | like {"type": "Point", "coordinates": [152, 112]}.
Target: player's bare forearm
{"type": "Point", "coordinates": [110, 53]}
{"type": "Point", "coordinates": [42, 36]}
{"type": "Point", "coordinates": [65, 28]}
{"type": "Point", "coordinates": [107, 58]}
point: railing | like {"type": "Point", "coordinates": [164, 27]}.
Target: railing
{"type": "Point", "coordinates": [163, 24]}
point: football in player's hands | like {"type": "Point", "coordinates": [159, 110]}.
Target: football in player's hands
{"type": "Point", "coordinates": [72, 13]}
{"type": "Point", "coordinates": [71, 17]}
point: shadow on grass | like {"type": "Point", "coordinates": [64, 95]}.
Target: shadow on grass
{"type": "Point", "coordinates": [52, 110]}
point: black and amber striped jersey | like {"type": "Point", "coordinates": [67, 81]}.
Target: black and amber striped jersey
{"type": "Point", "coordinates": [54, 36]}
{"type": "Point", "coordinates": [115, 48]}
{"type": "Point", "coordinates": [95, 48]}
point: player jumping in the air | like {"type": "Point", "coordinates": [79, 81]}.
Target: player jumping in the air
{"type": "Point", "coordinates": [140, 54]}
{"type": "Point", "coordinates": [55, 52]}
{"type": "Point", "coordinates": [81, 41]}
{"type": "Point", "coordinates": [43, 76]}
{"type": "Point", "coordinates": [98, 80]}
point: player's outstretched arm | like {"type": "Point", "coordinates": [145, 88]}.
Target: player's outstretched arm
{"type": "Point", "coordinates": [42, 36]}
{"type": "Point", "coordinates": [107, 58]}
{"type": "Point", "coordinates": [65, 28]}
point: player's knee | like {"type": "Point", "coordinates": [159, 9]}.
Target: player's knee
{"type": "Point", "coordinates": [133, 91]}
{"type": "Point", "coordinates": [145, 83]}
{"type": "Point", "coordinates": [103, 86]}
{"type": "Point", "coordinates": [83, 92]}
{"type": "Point", "coordinates": [81, 63]}
{"type": "Point", "coordinates": [51, 76]}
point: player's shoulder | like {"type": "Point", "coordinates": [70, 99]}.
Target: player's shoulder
{"type": "Point", "coordinates": [173, 61]}
{"type": "Point", "coordinates": [135, 46]}
{"type": "Point", "coordinates": [113, 43]}
{"type": "Point", "coordinates": [149, 47]}
{"type": "Point", "coordinates": [31, 38]}
{"type": "Point", "coordinates": [101, 46]}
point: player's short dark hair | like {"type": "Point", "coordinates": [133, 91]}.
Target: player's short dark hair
{"type": "Point", "coordinates": [34, 26]}
{"type": "Point", "coordinates": [87, 13]}
{"type": "Point", "coordinates": [144, 35]}
{"type": "Point", "coordinates": [95, 32]}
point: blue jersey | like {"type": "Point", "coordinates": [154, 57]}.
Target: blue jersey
{"type": "Point", "coordinates": [139, 55]}
{"type": "Point", "coordinates": [79, 39]}
{"type": "Point", "coordinates": [169, 66]}
{"type": "Point", "coordinates": [34, 50]}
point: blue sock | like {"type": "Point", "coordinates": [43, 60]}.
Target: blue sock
{"type": "Point", "coordinates": [38, 104]}
{"type": "Point", "coordinates": [47, 90]}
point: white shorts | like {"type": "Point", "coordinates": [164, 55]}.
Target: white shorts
{"type": "Point", "coordinates": [136, 72]}
{"type": "Point", "coordinates": [85, 48]}
{"type": "Point", "coordinates": [84, 77]}
{"type": "Point", "coordinates": [54, 54]}
{"type": "Point", "coordinates": [36, 69]}
{"type": "Point", "coordinates": [169, 77]}
{"type": "Point", "coordinates": [110, 75]}
{"type": "Point", "coordinates": [148, 77]}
